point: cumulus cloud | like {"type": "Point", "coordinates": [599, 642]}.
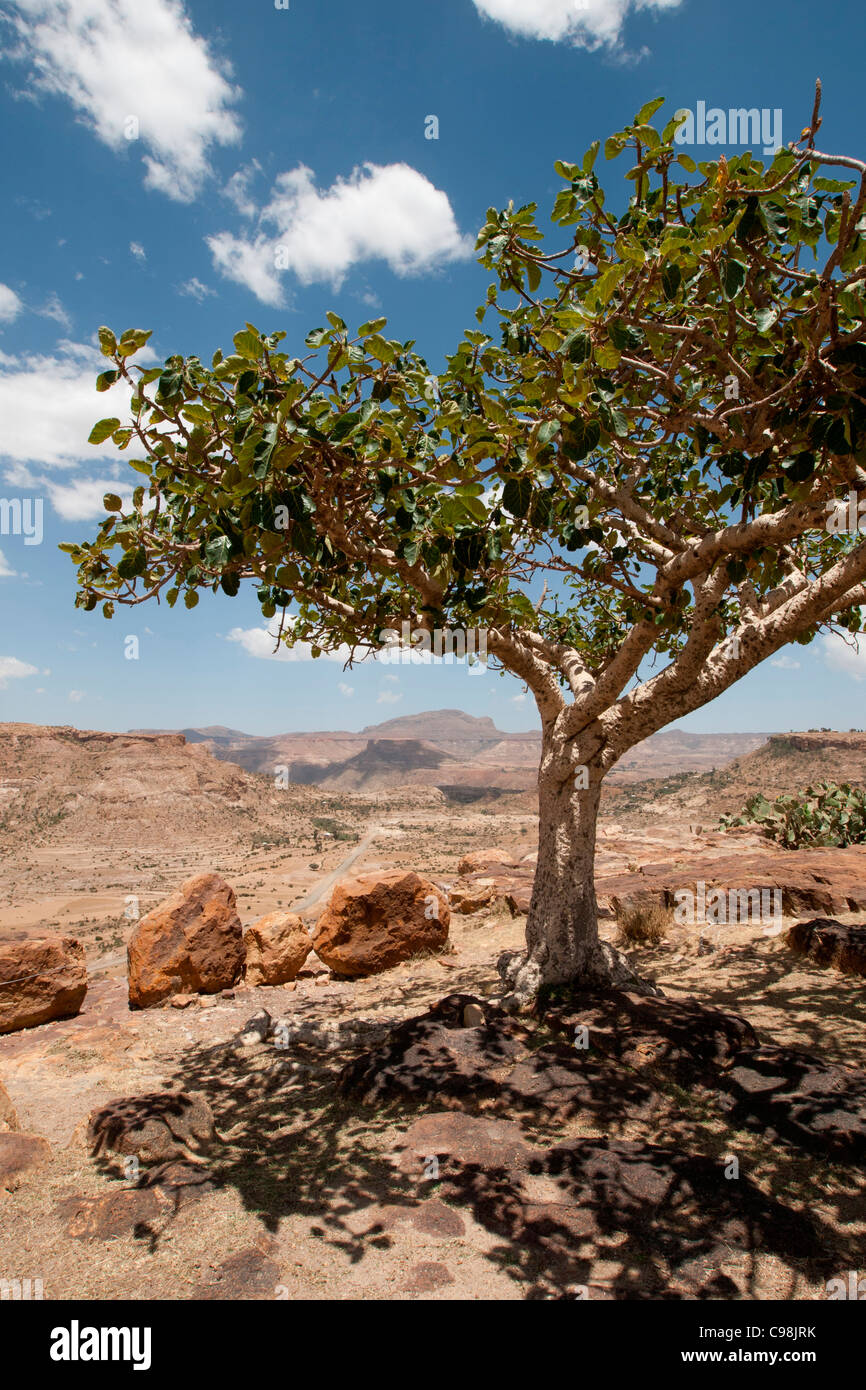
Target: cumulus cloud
{"type": "Point", "coordinates": [76, 696]}
{"type": "Point", "coordinates": [380, 212]}
{"type": "Point", "coordinates": [840, 655]}
{"type": "Point", "coordinates": [346, 690]}
{"type": "Point", "coordinates": [584, 23]}
{"type": "Point", "coordinates": [133, 72]}
{"type": "Point", "coordinates": [11, 669]}
{"type": "Point", "coordinates": [389, 697]}
{"type": "Point", "coordinates": [786, 663]}
{"type": "Point", "coordinates": [49, 404]}
{"type": "Point", "coordinates": [137, 250]}
{"type": "Point", "coordinates": [10, 304]}
{"type": "Point", "coordinates": [81, 498]}
{"type": "Point", "coordinates": [260, 642]}
{"type": "Point", "coordinates": [5, 571]}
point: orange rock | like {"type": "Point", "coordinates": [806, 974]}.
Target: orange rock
{"type": "Point", "coordinates": [276, 948]}
{"type": "Point", "coordinates": [191, 944]}
{"type": "Point", "coordinates": [40, 980]}
{"type": "Point", "coordinates": [19, 1155]}
{"type": "Point", "coordinates": [480, 859]}
{"type": "Point", "coordinates": [8, 1118]}
{"type": "Point", "coordinates": [375, 921]}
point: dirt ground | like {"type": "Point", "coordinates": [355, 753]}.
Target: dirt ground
{"type": "Point", "coordinates": [305, 1199]}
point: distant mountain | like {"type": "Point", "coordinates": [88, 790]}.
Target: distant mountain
{"type": "Point", "coordinates": [464, 754]}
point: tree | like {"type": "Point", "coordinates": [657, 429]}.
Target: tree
{"type": "Point", "coordinates": [634, 483]}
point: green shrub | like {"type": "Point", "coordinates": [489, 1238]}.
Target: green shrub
{"type": "Point", "coordinates": [827, 814]}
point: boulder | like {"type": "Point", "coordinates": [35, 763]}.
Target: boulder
{"type": "Point", "coordinates": [375, 921]}
{"type": "Point", "coordinates": [827, 942]}
{"type": "Point", "coordinates": [19, 1155]}
{"type": "Point", "coordinates": [191, 944]}
{"type": "Point", "coordinates": [482, 860]}
{"type": "Point", "coordinates": [472, 899]}
{"type": "Point", "coordinates": [8, 1117]}
{"type": "Point", "coordinates": [275, 949]}
{"type": "Point", "coordinates": [161, 1125]}
{"type": "Point", "coordinates": [40, 980]}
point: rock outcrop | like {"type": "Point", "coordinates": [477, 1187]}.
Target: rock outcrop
{"type": "Point", "coordinates": [375, 921]}
{"type": "Point", "coordinates": [830, 943]}
{"type": "Point", "coordinates": [191, 944]}
{"type": "Point", "coordinates": [40, 980]}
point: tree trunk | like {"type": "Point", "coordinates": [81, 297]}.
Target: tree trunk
{"type": "Point", "coordinates": [562, 942]}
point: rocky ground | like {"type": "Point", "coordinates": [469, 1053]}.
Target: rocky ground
{"type": "Point", "coordinates": [562, 1172]}
{"type": "Point", "coordinates": [396, 1137]}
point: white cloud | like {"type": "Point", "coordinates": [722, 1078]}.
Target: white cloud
{"type": "Point", "coordinates": [10, 304]}
{"type": "Point", "coordinates": [260, 643]}
{"type": "Point", "coordinates": [519, 699]}
{"type": "Point", "coordinates": [585, 23]}
{"type": "Point", "coordinates": [786, 663]}
{"type": "Point", "coordinates": [839, 655]}
{"type": "Point", "coordinates": [53, 309]}
{"type": "Point", "coordinates": [11, 669]}
{"type": "Point", "coordinates": [237, 188]}
{"type": "Point", "coordinates": [381, 212]}
{"type": "Point", "coordinates": [5, 571]}
{"type": "Point", "coordinates": [49, 404]}
{"type": "Point", "coordinates": [76, 696]}
{"type": "Point", "coordinates": [138, 250]}
{"type": "Point", "coordinates": [117, 60]}
{"type": "Point", "coordinates": [344, 689]}
{"type": "Point", "coordinates": [80, 499]}
{"type": "Point", "coordinates": [196, 290]}
{"type": "Point", "coordinates": [389, 697]}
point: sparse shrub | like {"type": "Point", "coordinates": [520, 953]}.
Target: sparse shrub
{"type": "Point", "coordinates": [826, 814]}
{"type": "Point", "coordinates": [643, 924]}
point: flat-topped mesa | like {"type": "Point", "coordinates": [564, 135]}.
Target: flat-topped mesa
{"type": "Point", "coordinates": [814, 739]}
{"type": "Point", "coordinates": [72, 735]}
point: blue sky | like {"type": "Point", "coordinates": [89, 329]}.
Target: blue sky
{"type": "Point", "coordinates": [154, 153]}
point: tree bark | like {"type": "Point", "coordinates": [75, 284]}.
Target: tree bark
{"type": "Point", "coordinates": [562, 941]}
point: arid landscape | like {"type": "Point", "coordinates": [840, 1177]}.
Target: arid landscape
{"type": "Point", "coordinates": [394, 1135]}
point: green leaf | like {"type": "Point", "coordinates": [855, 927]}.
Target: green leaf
{"type": "Point", "coordinates": [248, 344]}
{"type": "Point", "coordinates": [671, 280]}
{"type": "Point", "coordinates": [648, 110]}
{"type": "Point", "coordinates": [133, 563]}
{"type": "Point", "coordinates": [106, 379]}
{"type": "Point", "coordinates": [517, 494]}
{"type": "Point", "coordinates": [372, 326]}
{"type": "Point", "coordinates": [580, 437]}
{"type": "Point", "coordinates": [190, 599]}
{"type": "Point", "coordinates": [734, 278]}
{"type": "Point", "coordinates": [230, 584]}
{"type": "Point", "coordinates": [112, 503]}
{"type": "Point", "coordinates": [765, 319]}
{"type": "Point", "coordinates": [107, 341]}
{"type": "Point", "coordinates": [102, 429]}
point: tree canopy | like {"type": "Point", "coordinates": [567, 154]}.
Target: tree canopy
{"type": "Point", "coordinates": [635, 450]}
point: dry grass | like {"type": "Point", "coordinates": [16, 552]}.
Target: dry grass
{"type": "Point", "coordinates": [643, 926]}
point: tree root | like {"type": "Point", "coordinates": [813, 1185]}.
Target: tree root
{"type": "Point", "coordinates": [524, 978]}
